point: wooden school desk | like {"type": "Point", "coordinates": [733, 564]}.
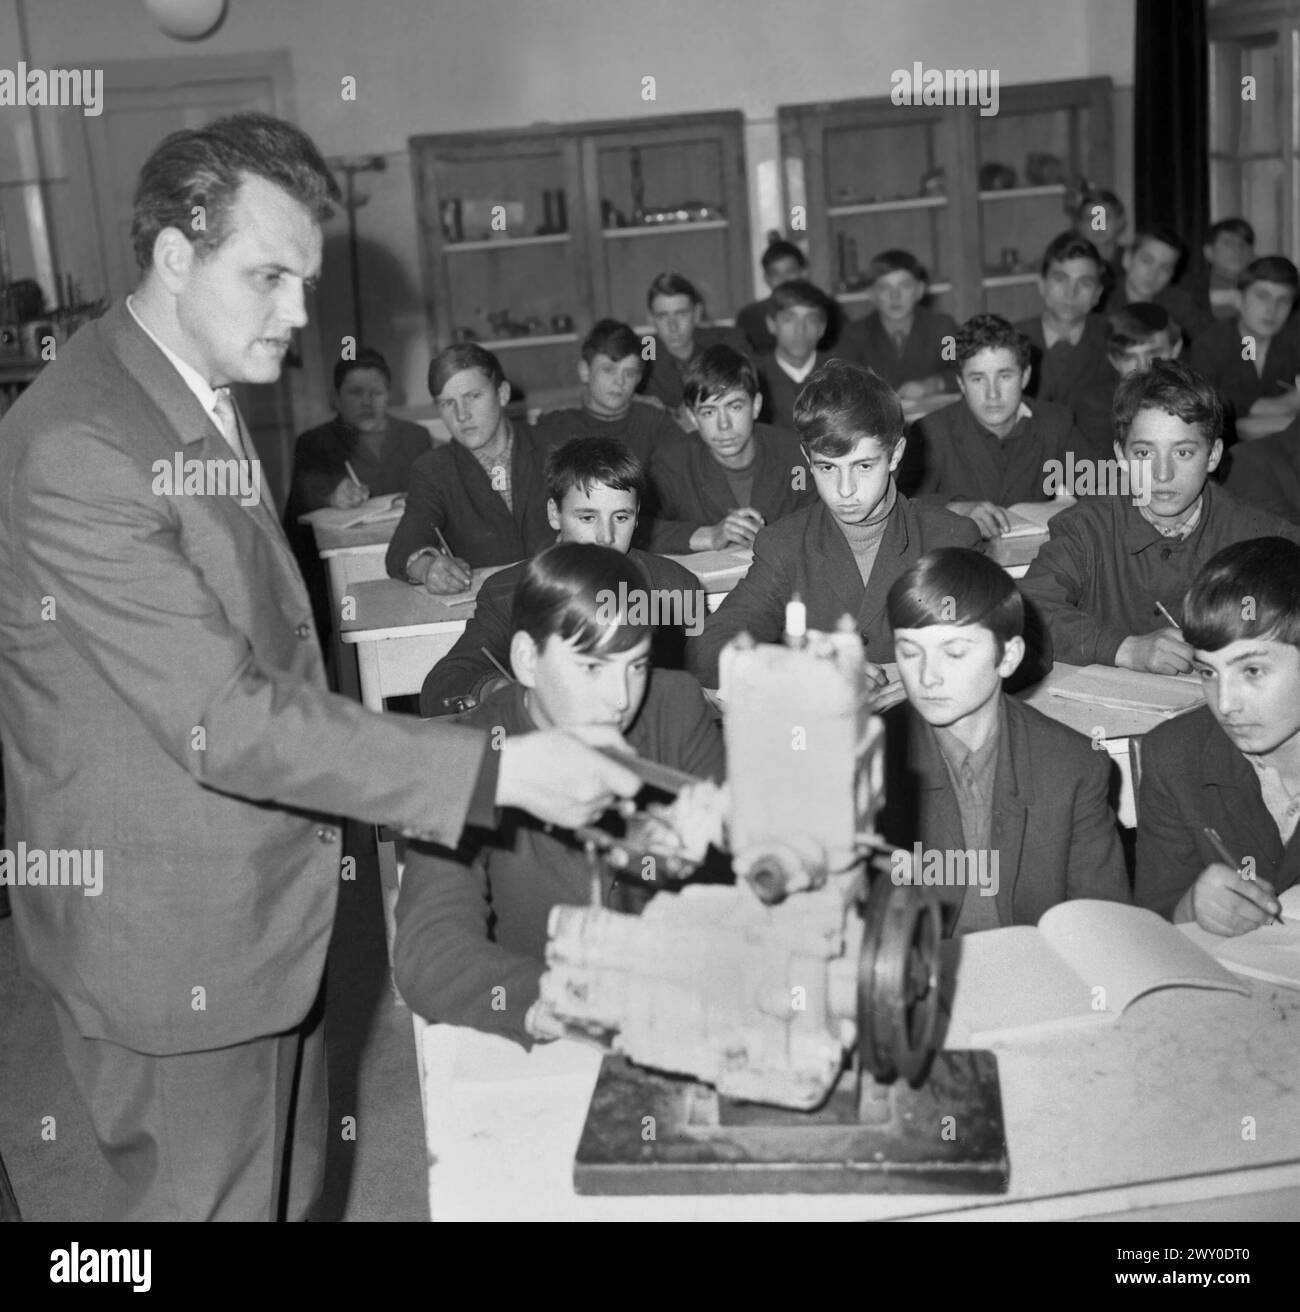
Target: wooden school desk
{"type": "Point", "coordinates": [1146, 1117]}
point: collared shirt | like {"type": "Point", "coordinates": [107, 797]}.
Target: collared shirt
{"type": "Point", "coordinates": [799, 374]}
{"type": "Point", "coordinates": [1053, 336]}
{"type": "Point", "coordinates": [497, 468]}
{"type": "Point", "coordinates": [1283, 806]}
{"type": "Point", "coordinates": [205, 394]}
{"type": "Point", "coordinates": [1181, 531]}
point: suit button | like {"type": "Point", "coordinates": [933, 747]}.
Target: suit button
{"type": "Point", "coordinates": [327, 835]}
{"type": "Point", "coordinates": [1166, 552]}
{"type": "Point", "coordinates": [303, 632]}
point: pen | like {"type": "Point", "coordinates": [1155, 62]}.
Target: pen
{"type": "Point", "coordinates": [442, 542]}
{"type": "Point", "coordinates": [501, 669]}
{"type": "Point", "coordinates": [352, 473]}
{"type": "Point", "coordinates": [1160, 607]}
{"type": "Point", "coordinates": [1228, 859]}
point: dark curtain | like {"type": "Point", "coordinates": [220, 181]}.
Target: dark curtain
{"type": "Point", "coordinates": [1171, 144]}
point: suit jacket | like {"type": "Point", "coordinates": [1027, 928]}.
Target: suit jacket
{"type": "Point", "coordinates": [163, 699]}
{"type": "Point", "coordinates": [807, 553]}
{"type": "Point", "coordinates": [452, 492]}
{"type": "Point", "coordinates": [780, 391]}
{"type": "Point", "coordinates": [321, 455]}
{"type": "Point", "coordinates": [644, 429]}
{"type": "Point", "coordinates": [1216, 354]}
{"type": "Point", "coordinates": [1103, 568]}
{"type": "Point", "coordinates": [471, 921]}
{"type": "Point", "coordinates": [691, 488]}
{"type": "Point", "coordinates": [951, 456]}
{"type": "Point", "coordinates": [1265, 472]}
{"type": "Point", "coordinates": [1053, 828]}
{"type": "Point", "coordinates": [865, 342]}
{"type": "Point", "coordinates": [465, 668]}
{"type": "Point", "coordinates": [1063, 372]}
{"type": "Point", "coordinates": [1192, 777]}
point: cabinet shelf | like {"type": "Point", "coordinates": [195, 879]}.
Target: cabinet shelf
{"type": "Point", "coordinates": [539, 339]}
{"type": "Point", "coordinates": [1023, 193]}
{"type": "Point", "coordinates": [503, 243]}
{"type": "Point", "coordinates": [662, 229]}
{"type": "Point", "coordinates": [1008, 279]}
{"type": "Point", "coordinates": [887, 206]}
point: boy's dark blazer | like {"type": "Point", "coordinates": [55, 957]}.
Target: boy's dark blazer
{"type": "Point", "coordinates": [451, 491]}
{"type": "Point", "coordinates": [1052, 822]}
{"type": "Point", "coordinates": [1062, 376]}
{"type": "Point", "coordinates": [1265, 472]}
{"type": "Point", "coordinates": [1193, 776]}
{"type": "Point", "coordinates": [807, 553]}
{"type": "Point", "coordinates": [691, 488]}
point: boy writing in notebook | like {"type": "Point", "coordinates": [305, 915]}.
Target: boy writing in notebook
{"type": "Point", "coordinates": [841, 553]}
{"type": "Point", "coordinates": [903, 341]}
{"type": "Point", "coordinates": [1219, 798]}
{"type": "Point", "coordinates": [1067, 341]}
{"type": "Point", "coordinates": [1113, 562]}
{"type": "Point", "coordinates": [596, 487]}
{"type": "Point", "coordinates": [734, 474]}
{"type": "Point", "coordinates": [984, 772]}
{"type": "Point", "coordinates": [987, 452]}
{"type": "Point", "coordinates": [471, 922]}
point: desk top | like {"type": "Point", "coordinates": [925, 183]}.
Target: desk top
{"type": "Point", "coordinates": [1083, 717]}
{"type": "Point", "coordinates": [1187, 1095]}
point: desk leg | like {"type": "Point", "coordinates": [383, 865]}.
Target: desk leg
{"type": "Point", "coordinates": [345, 658]}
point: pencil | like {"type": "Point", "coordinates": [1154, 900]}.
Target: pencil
{"type": "Point", "coordinates": [1228, 859]}
{"type": "Point", "coordinates": [1161, 608]}
{"type": "Point", "coordinates": [501, 669]}
{"type": "Point", "coordinates": [352, 473]}
{"type": "Point", "coordinates": [442, 542]}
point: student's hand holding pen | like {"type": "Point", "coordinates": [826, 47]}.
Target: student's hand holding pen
{"type": "Point", "coordinates": [739, 529]}
{"type": "Point", "coordinates": [446, 574]}
{"type": "Point", "coordinates": [349, 494]}
{"type": "Point", "coordinates": [1161, 652]}
{"type": "Point", "coordinates": [992, 521]}
{"type": "Point", "coordinates": [1222, 902]}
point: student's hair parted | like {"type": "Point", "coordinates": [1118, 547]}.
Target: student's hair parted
{"type": "Point", "coordinates": [1270, 268]}
{"type": "Point", "coordinates": [672, 284]}
{"type": "Point", "coordinates": [895, 261]}
{"type": "Point", "coordinates": [456, 359]}
{"type": "Point", "coordinates": [365, 359]}
{"type": "Point", "coordinates": [584, 461]}
{"type": "Point", "coordinates": [1248, 590]}
{"type": "Point", "coordinates": [841, 404]}
{"type": "Point", "coordinates": [565, 591]}
{"type": "Point", "coordinates": [1136, 324]}
{"type": "Point", "coordinates": [203, 168]}
{"type": "Point", "coordinates": [799, 292]}
{"type": "Point", "coordinates": [1178, 390]}
{"type": "Point", "coordinates": [954, 585]}
{"type": "Point", "coordinates": [612, 339]}
{"type": "Point", "coordinates": [782, 250]}
{"type": "Point", "coordinates": [991, 332]}
{"type": "Point", "coordinates": [717, 370]}
{"type": "Point", "coordinates": [1070, 246]}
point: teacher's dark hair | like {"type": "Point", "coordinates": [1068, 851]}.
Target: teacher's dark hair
{"type": "Point", "coordinates": [195, 174]}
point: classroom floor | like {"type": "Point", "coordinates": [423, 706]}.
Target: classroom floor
{"type": "Point", "coordinates": [378, 1177]}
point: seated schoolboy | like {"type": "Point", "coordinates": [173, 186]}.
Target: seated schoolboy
{"type": "Point", "coordinates": [610, 371]}
{"type": "Point", "coordinates": [733, 475]}
{"type": "Point", "coordinates": [471, 923]}
{"type": "Point", "coordinates": [987, 774]}
{"type": "Point", "coordinates": [902, 341]}
{"type": "Point", "coordinates": [1265, 472]}
{"type": "Point", "coordinates": [1233, 765]}
{"type": "Point", "coordinates": [842, 553]}
{"type": "Point", "coordinates": [987, 452]}
{"type": "Point", "coordinates": [596, 486]}
{"type": "Point", "coordinates": [677, 311]}
{"type": "Point", "coordinates": [1266, 383]}
{"type": "Point", "coordinates": [379, 447]}
{"type": "Point", "coordinates": [1067, 341]}
{"type": "Point", "coordinates": [1099, 216]}
{"type": "Point", "coordinates": [1229, 248]}
{"type": "Point", "coordinates": [1108, 562]}
{"type": "Point", "coordinates": [783, 261]}
{"type": "Point", "coordinates": [798, 320]}
{"type": "Point", "coordinates": [1136, 335]}
{"type": "Point", "coordinates": [484, 491]}
{"type": "Point", "coordinates": [1150, 264]}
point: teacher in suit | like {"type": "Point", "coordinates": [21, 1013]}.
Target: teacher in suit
{"type": "Point", "coordinates": [164, 711]}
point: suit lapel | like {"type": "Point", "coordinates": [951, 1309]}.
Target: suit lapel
{"type": "Point", "coordinates": [835, 566]}
{"type": "Point", "coordinates": [893, 544]}
{"type": "Point", "coordinates": [940, 816]}
{"type": "Point", "coordinates": [715, 491]}
{"type": "Point", "coordinates": [1234, 805]}
{"type": "Point", "coordinates": [1012, 793]}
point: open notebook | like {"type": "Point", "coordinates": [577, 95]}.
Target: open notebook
{"type": "Point", "coordinates": [1166, 695]}
{"type": "Point", "coordinates": [1270, 953]}
{"type": "Point", "coordinates": [1085, 963]}
{"type": "Point", "coordinates": [374, 511]}
{"type": "Point", "coordinates": [1030, 518]}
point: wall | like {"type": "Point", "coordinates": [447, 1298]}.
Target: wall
{"type": "Point", "coordinates": [449, 65]}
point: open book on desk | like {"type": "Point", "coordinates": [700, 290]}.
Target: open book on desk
{"type": "Point", "coordinates": [1271, 952]}
{"type": "Point", "coordinates": [469, 596]}
{"type": "Point", "coordinates": [374, 511]}
{"type": "Point", "coordinates": [1165, 695]}
{"type": "Point", "coordinates": [1085, 964]}
{"type": "Point", "coordinates": [1030, 518]}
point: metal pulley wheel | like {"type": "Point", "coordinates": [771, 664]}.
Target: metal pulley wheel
{"type": "Point", "coordinates": [898, 981]}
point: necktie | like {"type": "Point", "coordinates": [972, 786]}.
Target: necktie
{"type": "Point", "coordinates": [223, 411]}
